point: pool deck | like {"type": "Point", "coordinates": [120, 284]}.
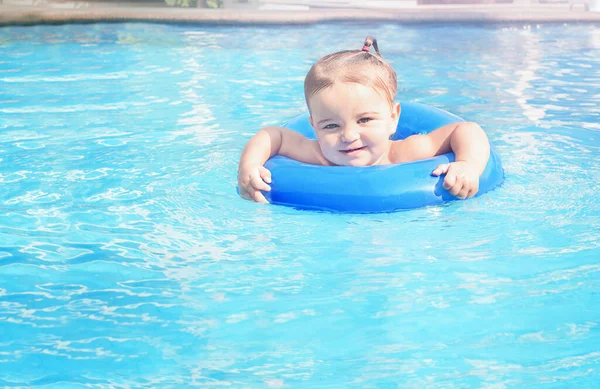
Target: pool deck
{"type": "Point", "coordinates": [30, 12]}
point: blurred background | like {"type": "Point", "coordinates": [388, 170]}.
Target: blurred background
{"type": "Point", "coordinates": [300, 4]}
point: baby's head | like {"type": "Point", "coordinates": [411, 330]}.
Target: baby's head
{"type": "Point", "coordinates": [350, 96]}
{"type": "Point", "coordinates": [353, 66]}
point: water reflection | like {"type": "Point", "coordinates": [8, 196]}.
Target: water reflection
{"type": "Point", "coordinates": [126, 249]}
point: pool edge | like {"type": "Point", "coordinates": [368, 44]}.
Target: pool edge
{"type": "Point", "coordinates": [41, 15]}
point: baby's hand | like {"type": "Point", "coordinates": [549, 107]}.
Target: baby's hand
{"type": "Point", "coordinates": [461, 179]}
{"type": "Point", "coordinates": [253, 179]}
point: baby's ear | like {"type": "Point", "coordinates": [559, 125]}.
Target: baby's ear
{"type": "Point", "coordinates": [395, 118]}
{"type": "Point", "coordinates": [396, 110]}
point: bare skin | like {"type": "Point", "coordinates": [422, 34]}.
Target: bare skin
{"type": "Point", "coordinates": [353, 124]}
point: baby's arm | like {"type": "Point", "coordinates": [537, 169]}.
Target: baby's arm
{"type": "Point", "coordinates": [470, 146]}
{"type": "Point", "coordinates": [253, 176]}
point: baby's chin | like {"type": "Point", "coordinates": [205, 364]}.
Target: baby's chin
{"type": "Point", "coordinates": [358, 162]}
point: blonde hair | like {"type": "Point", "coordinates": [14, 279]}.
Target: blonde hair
{"type": "Point", "coordinates": [354, 66]}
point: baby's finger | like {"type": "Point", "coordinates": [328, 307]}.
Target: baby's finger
{"type": "Point", "coordinates": [259, 198]}
{"type": "Point", "coordinates": [456, 188]}
{"type": "Point", "coordinates": [464, 192]}
{"type": "Point", "coordinates": [449, 181]}
{"type": "Point", "coordinates": [244, 194]}
{"type": "Point", "coordinates": [474, 188]}
{"type": "Point", "coordinates": [441, 169]}
{"type": "Point", "coordinates": [259, 184]}
{"type": "Point", "coordinates": [265, 174]}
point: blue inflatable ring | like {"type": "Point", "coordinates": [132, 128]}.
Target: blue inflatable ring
{"type": "Point", "coordinates": [372, 189]}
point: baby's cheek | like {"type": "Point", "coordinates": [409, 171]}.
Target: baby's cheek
{"type": "Point", "coordinates": [327, 142]}
{"type": "Point", "coordinates": [326, 149]}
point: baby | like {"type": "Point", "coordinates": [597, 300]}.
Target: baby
{"type": "Point", "coordinates": [350, 97]}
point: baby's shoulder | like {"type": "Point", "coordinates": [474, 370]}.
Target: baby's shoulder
{"type": "Point", "coordinates": [409, 149]}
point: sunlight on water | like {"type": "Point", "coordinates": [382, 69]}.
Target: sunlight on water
{"type": "Point", "coordinates": [127, 260]}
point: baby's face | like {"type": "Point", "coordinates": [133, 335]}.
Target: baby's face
{"type": "Point", "coordinates": [353, 124]}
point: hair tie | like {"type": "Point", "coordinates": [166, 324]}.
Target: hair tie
{"type": "Point", "coordinates": [366, 48]}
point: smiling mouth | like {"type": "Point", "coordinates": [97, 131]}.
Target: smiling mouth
{"type": "Point", "coordinates": [355, 150]}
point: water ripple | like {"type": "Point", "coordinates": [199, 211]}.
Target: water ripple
{"type": "Point", "coordinates": [128, 260]}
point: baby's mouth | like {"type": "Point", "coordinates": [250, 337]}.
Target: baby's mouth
{"type": "Point", "coordinates": [353, 150]}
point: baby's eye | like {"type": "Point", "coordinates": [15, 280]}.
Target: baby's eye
{"type": "Point", "coordinates": [330, 126]}
{"type": "Point", "coordinates": [364, 120]}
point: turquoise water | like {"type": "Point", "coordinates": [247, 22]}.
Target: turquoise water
{"type": "Point", "coordinates": [128, 261]}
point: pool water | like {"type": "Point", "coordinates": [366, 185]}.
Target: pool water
{"type": "Point", "coordinates": [127, 260]}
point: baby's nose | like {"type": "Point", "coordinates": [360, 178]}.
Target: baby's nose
{"type": "Point", "coordinates": [350, 134]}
